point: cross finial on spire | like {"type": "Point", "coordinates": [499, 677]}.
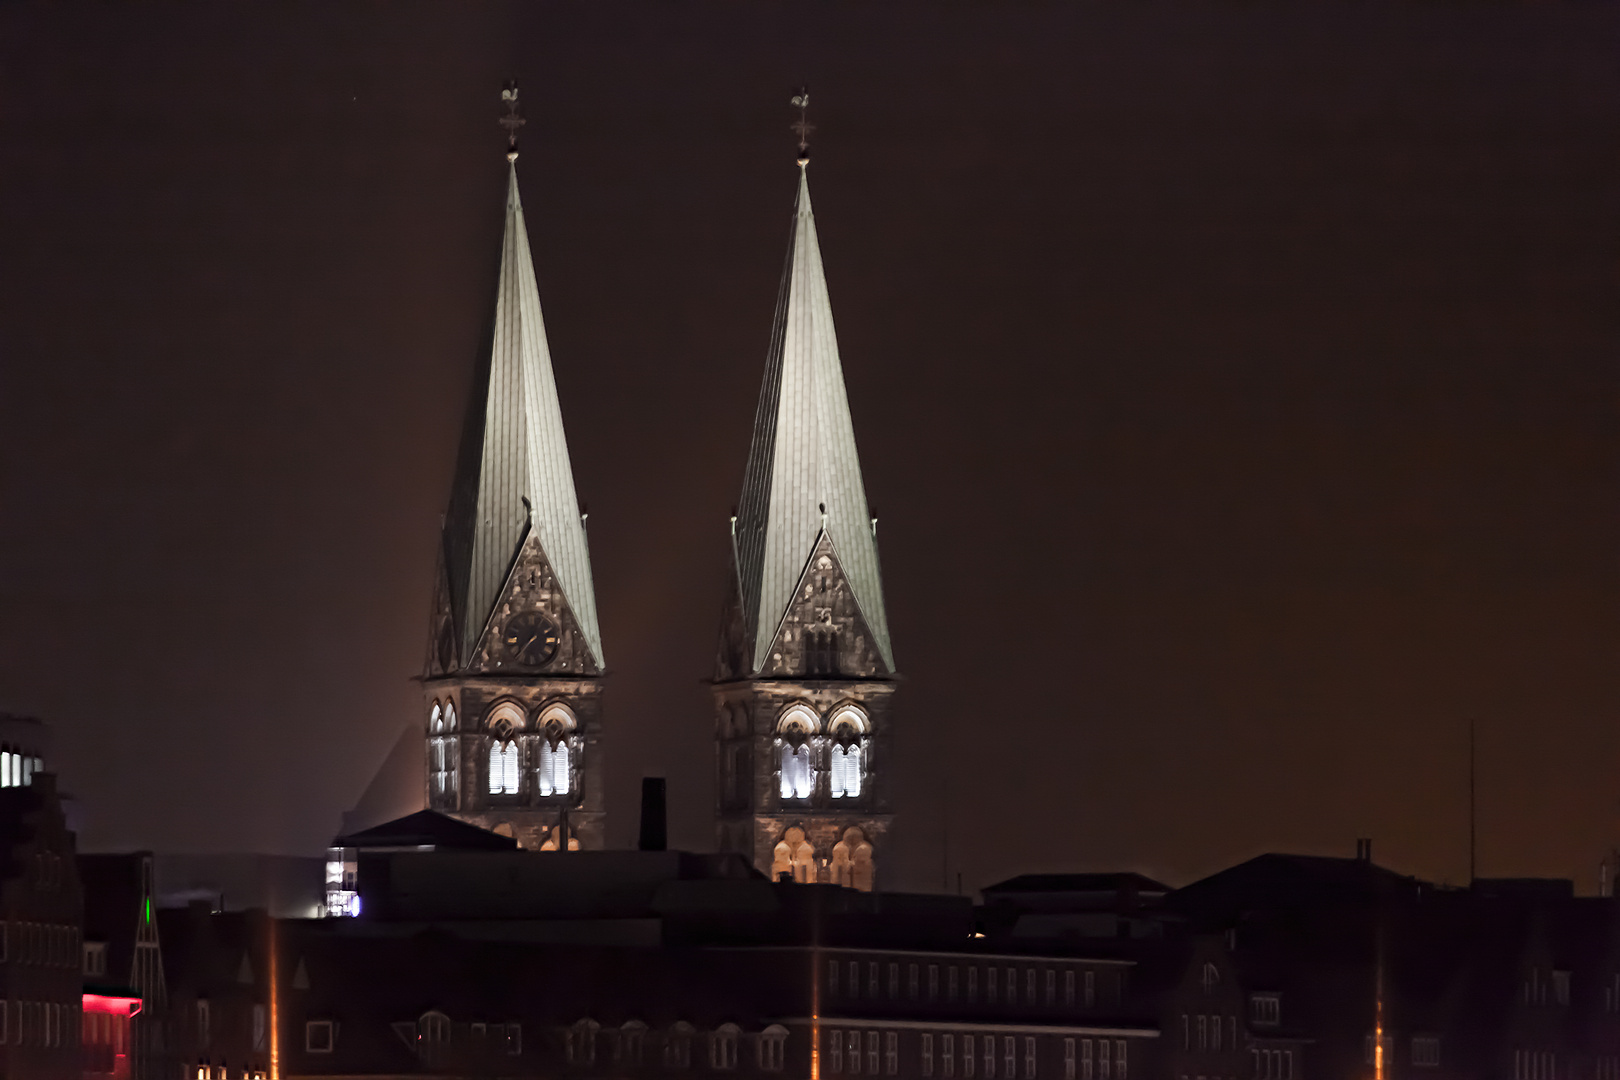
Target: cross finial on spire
{"type": "Point", "coordinates": [803, 126]}
{"type": "Point", "coordinates": [512, 120]}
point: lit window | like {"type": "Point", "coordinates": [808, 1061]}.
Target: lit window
{"type": "Point", "coordinates": [436, 719]}
{"type": "Point", "coordinates": [797, 772]}
{"type": "Point", "coordinates": [555, 772]}
{"type": "Point", "coordinates": [503, 768]}
{"type": "Point", "coordinates": [846, 771]}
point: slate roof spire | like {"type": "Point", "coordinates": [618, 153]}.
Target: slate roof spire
{"type": "Point", "coordinates": [803, 476]}
{"type": "Point", "coordinates": [513, 475]}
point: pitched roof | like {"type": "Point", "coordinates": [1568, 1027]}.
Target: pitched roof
{"type": "Point", "coordinates": [1076, 883]}
{"type": "Point", "coordinates": [427, 828]}
{"type": "Point", "coordinates": [513, 474]}
{"type": "Point", "coordinates": [803, 473]}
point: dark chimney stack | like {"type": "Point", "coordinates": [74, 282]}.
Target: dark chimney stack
{"type": "Point", "coordinates": [1364, 850]}
{"type": "Point", "coordinates": [654, 826]}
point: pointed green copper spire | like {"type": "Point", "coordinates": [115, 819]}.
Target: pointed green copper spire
{"type": "Point", "coordinates": [803, 474]}
{"type": "Point", "coordinates": [514, 475]}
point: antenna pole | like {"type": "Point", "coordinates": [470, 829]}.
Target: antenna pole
{"type": "Point", "coordinates": [1473, 817]}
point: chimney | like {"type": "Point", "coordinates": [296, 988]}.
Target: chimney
{"type": "Point", "coordinates": [654, 827]}
{"type": "Point", "coordinates": [1364, 850]}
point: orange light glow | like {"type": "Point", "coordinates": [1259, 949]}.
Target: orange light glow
{"type": "Point", "coordinates": [275, 1020]}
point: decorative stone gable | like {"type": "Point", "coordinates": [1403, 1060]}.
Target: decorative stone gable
{"type": "Point", "coordinates": [532, 587]}
{"type": "Point", "coordinates": [823, 632]}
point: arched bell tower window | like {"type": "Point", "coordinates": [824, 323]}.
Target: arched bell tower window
{"type": "Point", "coordinates": [503, 767]}
{"type": "Point", "coordinates": [794, 855]}
{"type": "Point", "coordinates": [795, 755]}
{"type": "Point", "coordinates": [436, 719]}
{"type": "Point", "coordinates": [852, 863]}
{"type": "Point", "coordinates": [554, 773]}
{"type": "Point", "coordinates": [847, 754]}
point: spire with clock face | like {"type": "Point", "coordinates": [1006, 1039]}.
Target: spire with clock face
{"type": "Point", "coordinates": [513, 670]}
{"type": "Point", "coordinates": [805, 667]}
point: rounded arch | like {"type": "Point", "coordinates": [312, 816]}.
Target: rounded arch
{"type": "Point", "coordinates": [504, 717]}
{"type": "Point", "coordinates": [798, 719]}
{"type": "Point", "coordinates": [794, 855]}
{"type": "Point", "coordinates": [850, 720]}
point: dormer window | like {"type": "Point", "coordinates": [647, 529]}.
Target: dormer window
{"type": "Point", "coordinates": [1265, 1010]}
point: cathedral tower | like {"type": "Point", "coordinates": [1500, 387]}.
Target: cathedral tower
{"type": "Point", "coordinates": [513, 679]}
{"type": "Point", "coordinates": [805, 671]}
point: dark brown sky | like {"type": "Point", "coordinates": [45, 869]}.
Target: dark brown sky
{"type": "Point", "coordinates": [1235, 383]}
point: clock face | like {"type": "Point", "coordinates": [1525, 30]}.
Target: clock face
{"type": "Point", "coordinates": [447, 646]}
{"type": "Point", "coordinates": [529, 639]}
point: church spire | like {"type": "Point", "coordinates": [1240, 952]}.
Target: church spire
{"type": "Point", "coordinates": [514, 480]}
{"type": "Point", "coordinates": [803, 480]}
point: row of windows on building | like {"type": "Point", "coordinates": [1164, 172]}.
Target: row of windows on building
{"type": "Point", "coordinates": [1536, 986]}
{"type": "Point", "coordinates": [433, 1035]}
{"type": "Point", "coordinates": [552, 771]}
{"type": "Point", "coordinates": [48, 1024]}
{"type": "Point", "coordinates": [1606, 1068]}
{"type": "Point", "coordinates": [1082, 1058]}
{"type": "Point", "coordinates": [1203, 1032]}
{"type": "Point", "coordinates": [1424, 1051]}
{"type": "Point", "coordinates": [1535, 1065]}
{"type": "Point", "coordinates": [40, 943]}
{"type": "Point", "coordinates": [796, 769]}
{"type": "Point", "coordinates": [952, 983]}
{"type": "Point", "coordinates": [1270, 1064]}
{"type": "Point", "coordinates": [206, 1071]}
{"type": "Point", "coordinates": [17, 769]}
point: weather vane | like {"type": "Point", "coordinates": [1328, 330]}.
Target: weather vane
{"type": "Point", "coordinates": [803, 126]}
{"type": "Point", "coordinates": [512, 120]}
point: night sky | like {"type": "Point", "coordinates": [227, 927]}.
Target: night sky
{"type": "Point", "coordinates": [1235, 384]}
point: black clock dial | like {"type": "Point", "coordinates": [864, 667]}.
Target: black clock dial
{"type": "Point", "coordinates": [447, 647]}
{"type": "Point", "coordinates": [529, 638]}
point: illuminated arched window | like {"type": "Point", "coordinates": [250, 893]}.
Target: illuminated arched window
{"type": "Point", "coordinates": [797, 774]}
{"type": "Point", "coordinates": [449, 716]}
{"type": "Point", "coordinates": [554, 771]}
{"type": "Point", "coordinates": [846, 770]}
{"type": "Point", "coordinates": [794, 855]}
{"type": "Point", "coordinates": [847, 756]}
{"type": "Point", "coordinates": [5, 768]}
{"type": "Point", "coordinates": [852, 864]}
{"type": "Point", "coordinates": [555, 754]}
{"type": "Point", "coordinates": [796, 766]}
{"type": "Point", "coordinates": [503, 768]}
{"type": "Point", "coordinates": [436, 719]}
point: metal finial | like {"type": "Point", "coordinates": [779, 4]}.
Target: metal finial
{"type": "Point", "coordinates": [512, 120]}
{"type": "Point", "coordinates": [803, 126]}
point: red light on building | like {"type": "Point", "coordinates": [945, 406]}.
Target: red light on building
{"type": "Point", "coordinates": [106, 1035]}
